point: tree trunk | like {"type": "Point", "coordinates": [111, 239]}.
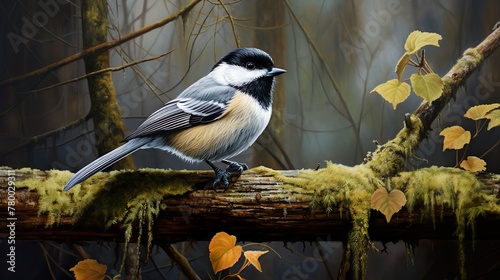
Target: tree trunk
{"type": "Point", "coordinates": [105, 111]}
{"type": "Point", "coordinates": [273, 41]}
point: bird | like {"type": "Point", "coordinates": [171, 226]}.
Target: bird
{"type": "Point", "coordinates": [214, 119]}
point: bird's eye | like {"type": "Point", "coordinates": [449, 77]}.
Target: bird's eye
{"type": "Point", "coordinates": [250, 65]}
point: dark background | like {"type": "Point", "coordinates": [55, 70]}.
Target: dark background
{"type": "Point", "coordinates": [335, 53]}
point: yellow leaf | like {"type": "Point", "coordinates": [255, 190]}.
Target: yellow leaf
{"type": "Point", "coordinates": [479, 112]}
{"type": "Point", "coordinates": [417, 39]}
{"type": "Point", "coordinates": [401, 66]}
{"type": "Point", "coordinates": [89, 270]}
{"type": "Point", "coordinates": [494, 117]}
{"type": "Point", "coordinates": [455, 137]}
{"type": "Point", "coordinates": [253, 258]}
{"type": "Point", "coordinates": [393, 91]}
{"type": "Point", "coordinates": [428, 86]}
{"type": "Point", "coordinates": [473, 164]}
{"type": "Point", "coordinates": [387, 203]}
{"type": "Point", "coordinates": [224, 252]}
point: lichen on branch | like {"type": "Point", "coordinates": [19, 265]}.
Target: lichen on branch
{"type": "Point", "coordinates": [440, 187]}
{"type": "Point", "coordinates": [345, 189]}
{"type": "Point", "coordinates": [390, 158]}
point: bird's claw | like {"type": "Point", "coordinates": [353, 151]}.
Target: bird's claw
{"type": "Point", "coordinates": [235, 166]}
{"type": "Point", "coordinates": [221, 178]}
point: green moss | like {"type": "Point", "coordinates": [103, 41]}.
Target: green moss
{"type": "Point", "coordinates": [125, 197]}
{"type": "Point", "coordinates": [293, 182]}
{"type": "Point", "coordinates": [470, 59]}
{"type": "Point", "coordinates": [135, 197]}
{"type": "Point", "coordinates": [116, 197]}
{"type": "Point", "coordinates": [348, 188]}
{"type": "Point", "coordinates": [447, 187]}
{"type": "Point", "coordinates": [52, 201]}
{"type": "Point", "coordinates": [390, 158]}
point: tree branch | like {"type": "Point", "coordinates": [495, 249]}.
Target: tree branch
{"type": "Point", "coordinates": [390, 158]}
{"type": "Point", "coordinates": [457, 76]}
{"type": "Point", "coordinates": [109, 69]}
{"type": "Point", "coordinates": [180, 260]}
{"type": "Point", "coordinates": [258, 201]}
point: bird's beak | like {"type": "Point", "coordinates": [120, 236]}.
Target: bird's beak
{"type": "Point", "coordinates": [275, 72]}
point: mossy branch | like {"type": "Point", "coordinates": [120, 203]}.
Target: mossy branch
{"type": "Point", "coordinates": [390, 158]}
{"type": "Point", "coordinates": [457, 76]}
{"type": "Point", "coordinates": [275, 205]}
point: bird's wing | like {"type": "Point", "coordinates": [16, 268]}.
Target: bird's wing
{"type": "Point", "coordinates": [180, 113]}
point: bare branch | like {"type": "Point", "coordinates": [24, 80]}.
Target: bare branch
{"type": "Point", "coordinates": [177, 257]}
{"type": "Point", "coordinates": [112, 69]}
{"type": "Point", "coordinates": [101, 47]}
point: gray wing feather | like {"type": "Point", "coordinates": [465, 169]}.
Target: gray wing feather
{"type": "Point", "coordinates": [187, 111]}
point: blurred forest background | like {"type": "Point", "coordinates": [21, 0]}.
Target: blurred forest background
{"type": "Point", "coordinates": [335, 53]}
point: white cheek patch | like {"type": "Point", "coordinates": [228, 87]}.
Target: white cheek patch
{"type": "Point", "coordinates": [236, 75]}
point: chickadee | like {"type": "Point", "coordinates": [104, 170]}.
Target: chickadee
{"type": "Point", "coordinates": [214, 119]}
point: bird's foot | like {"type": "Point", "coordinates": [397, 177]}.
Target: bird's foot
{"type": "Point", "coordinates": [223, 177]}
{"type": "Point", "coordinates": [235, 166]}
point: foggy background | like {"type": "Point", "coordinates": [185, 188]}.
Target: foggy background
{"type": "Point", "coordinates": [335, 53]}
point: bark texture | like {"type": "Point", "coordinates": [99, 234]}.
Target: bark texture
{"type": "Point", "coordinates": [257, 207]}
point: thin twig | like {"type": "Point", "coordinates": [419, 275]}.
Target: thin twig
{"type": "Point", "coordinates": [348, 115]}
{"type": "Point", "coordinates": [101, 47]}
{"type": "Point", "coordinates": [112, 69]}
{"type": "Point", "coordinates": [49, 259]}
{"type": "Point", "coordinates": [458, 74]}
{"type": "Point", "coordinates": [237, 41]}
{"type": "Point", "coordinates": [78, 250]}
{"type": "Point", "coordinates": [177, 257]}
{"type": "Point", "coordinates": [490, 149]}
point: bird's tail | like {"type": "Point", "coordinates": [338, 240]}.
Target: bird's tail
{"type": "Point", "coordinates": [104, 162]}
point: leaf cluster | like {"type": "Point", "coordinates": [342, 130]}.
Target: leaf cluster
{"type": "Point", "coordinates": [224, 253]}
{"type": "Point", "coordinates": [456, 137]}
{"type": "Point", "coordinates": [429, 86]}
